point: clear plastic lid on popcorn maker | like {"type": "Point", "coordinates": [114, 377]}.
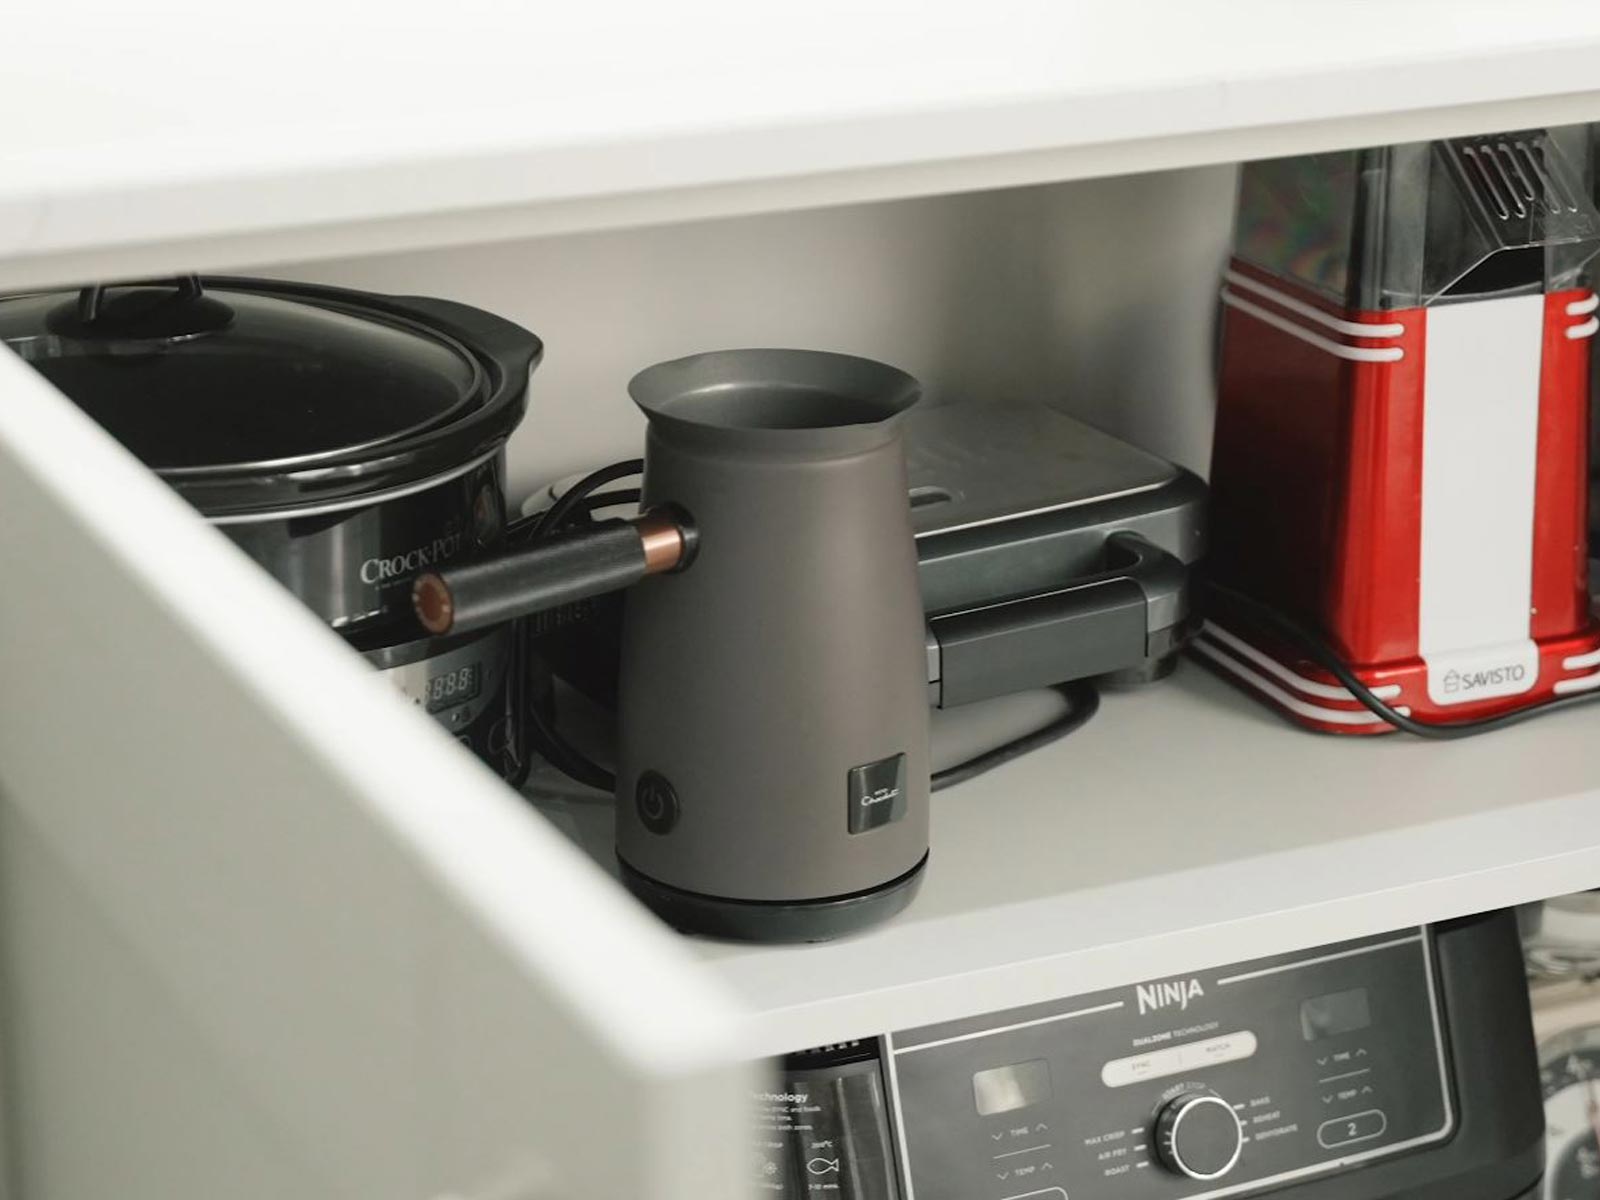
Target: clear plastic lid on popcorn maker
{"type": "Point", "coordinates": [1427, 222]}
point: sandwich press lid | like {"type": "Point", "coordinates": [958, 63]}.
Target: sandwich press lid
{"type": "Point", "coordinates": [978, 463]}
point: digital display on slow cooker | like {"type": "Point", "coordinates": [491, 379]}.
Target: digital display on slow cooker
{"type": "Point", "coordinates": [454, 687]}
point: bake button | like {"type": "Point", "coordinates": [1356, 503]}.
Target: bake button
{"type": "Point", "coordinates": [1357, 1127]}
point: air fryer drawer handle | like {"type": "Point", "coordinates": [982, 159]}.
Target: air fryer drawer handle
{"type": "Point", "coordinates": [1093, 625]}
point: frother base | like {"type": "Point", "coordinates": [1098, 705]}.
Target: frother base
{"type": "Point", "coordinates": [773, 920]}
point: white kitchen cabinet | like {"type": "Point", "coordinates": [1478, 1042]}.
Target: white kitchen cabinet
{"type": "Point", "coordinates": [267, 931]}
{"type": "Point", "coordinates": [317, 128]}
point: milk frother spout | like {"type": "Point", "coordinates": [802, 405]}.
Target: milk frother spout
{"type": "Point", "coordinates": [562, 569]}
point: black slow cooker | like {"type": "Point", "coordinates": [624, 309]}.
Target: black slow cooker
{"type": "Point", "coordinates": [345, 441]}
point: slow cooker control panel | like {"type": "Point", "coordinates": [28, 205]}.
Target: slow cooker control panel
{"type": "Point", "coordinates": [1204, 1085]}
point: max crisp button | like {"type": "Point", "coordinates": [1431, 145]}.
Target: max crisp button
{"type": "Point", "coordinates": [656, 802]}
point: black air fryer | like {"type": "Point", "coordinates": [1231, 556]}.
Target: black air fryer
{"type": "Point", "coordinates": [1399, 1066]}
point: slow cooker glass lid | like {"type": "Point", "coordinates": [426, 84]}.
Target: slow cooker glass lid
{"type": "Point", "coordinates": [232, 378]}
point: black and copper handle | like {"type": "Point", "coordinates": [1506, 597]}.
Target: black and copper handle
{"type": "Point", "coordinates": [558, 570]}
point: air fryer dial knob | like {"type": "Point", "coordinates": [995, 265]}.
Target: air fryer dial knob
{"type": "Point", "coordinates": [1198, 1135]}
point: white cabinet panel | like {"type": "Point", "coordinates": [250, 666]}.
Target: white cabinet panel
{"type": "Point", "coordinates": [269, 931]}
{"type": "Point", "coordinates": [250, 139]}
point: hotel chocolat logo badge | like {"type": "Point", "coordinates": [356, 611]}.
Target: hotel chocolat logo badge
{"type": "Point", "coordinates": [883, 795]}
{"type": "Point", "coordinates": [1178, 992]}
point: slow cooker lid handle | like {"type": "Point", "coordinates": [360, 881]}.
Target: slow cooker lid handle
{"type": "Point", "coordinates": [143, 310]}
{"type": "Point", "coordinates": [92, 297]}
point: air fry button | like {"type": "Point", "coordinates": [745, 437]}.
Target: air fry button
{"type": "Point", "coordinates": [656, 802]}
{"type": "Point", "coordinates": [876, 793]}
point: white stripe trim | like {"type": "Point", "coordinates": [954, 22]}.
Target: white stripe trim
{"type": "Point", "coordinates": [1587, 329]}
{"type": "Point", "coordinates": [1326, 958]}
{"type": "Point", "coordinates": [1582, 683]}
{"type": "Point", "coordinates": [1311, 687]}
{"type": "Point", "coordinates": [1576, 662]}
{"type": "Point", "coordinates": [1314, 712]}
{"type": "Point", "coordinates": [983, 1033]}
{"type": "Point", "coordinates": [900, 1132]}
{"type": "Point", "coordinates": [1382, 354]}
{"type": "Point", "coordinates": [1282, 300]}
{"type": "Point", "coordinates": [1579, 308]}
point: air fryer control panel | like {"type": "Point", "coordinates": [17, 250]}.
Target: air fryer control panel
{"type": "Point", "coordinates": [1246, 1078]}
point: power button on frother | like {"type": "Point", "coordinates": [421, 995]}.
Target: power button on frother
{"type": "Point", "coordinates": [656, 802]}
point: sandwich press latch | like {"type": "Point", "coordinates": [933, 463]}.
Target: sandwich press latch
{"type": "Point", "coordinates": [1048, 551]}
{"type": "Point", "coordinates": [1096, 625]}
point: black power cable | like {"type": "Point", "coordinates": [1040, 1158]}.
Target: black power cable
{"type": "Point", "coordinates": [1324, 656]}
{"type": "Point", "coordinates": [1082, 703]}
{"type": "Point", "coordinates": [580, 500]}
{"type": "Point", "coordinates": [577, 502]}
{"type": "Point", "coordinates": [551, 520]}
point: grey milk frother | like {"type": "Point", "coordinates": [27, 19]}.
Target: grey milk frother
{"type": "Point", "coordinates": [773, 697]}
{"type": "Point", "coordinates": [773, 711]}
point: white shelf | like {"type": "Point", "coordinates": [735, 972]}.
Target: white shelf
{"type": "Point", "coordinates": [182, 135]}
{"type": "Point", "coordinates": [1187, 827]}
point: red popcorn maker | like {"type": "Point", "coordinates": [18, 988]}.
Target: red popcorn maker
{"type": "Point", "coordinates": [1401, 455]}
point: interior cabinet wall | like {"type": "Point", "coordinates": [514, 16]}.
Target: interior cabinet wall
{"type": "Point", "coordinates": [1098, 296]}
